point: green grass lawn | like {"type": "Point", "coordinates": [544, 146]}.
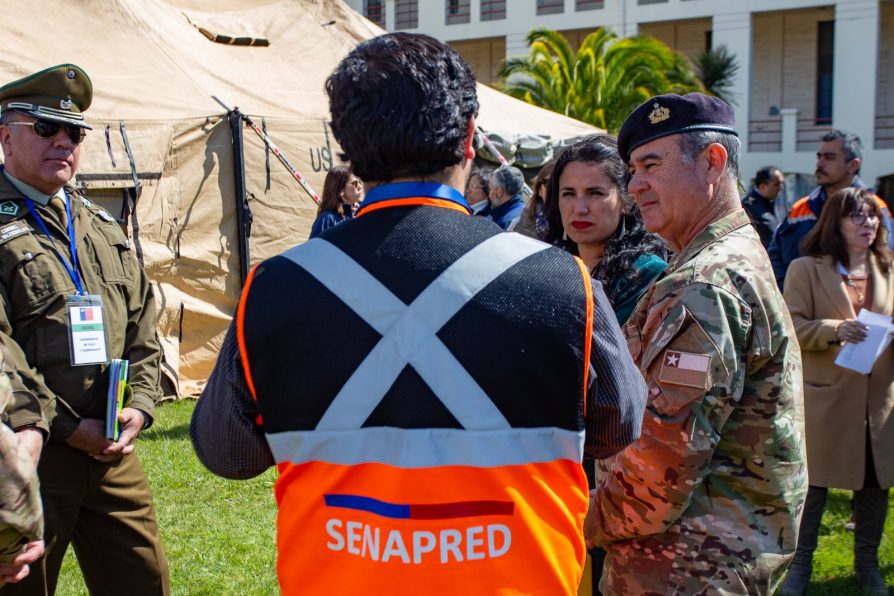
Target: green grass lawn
{"type": "Point", "coordinates": [219, 535]}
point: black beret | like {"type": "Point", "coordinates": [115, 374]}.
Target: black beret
{"type": "Point", "coordinates": [672, 114]}
{"type": "Point", "coordinates": [58, 93]}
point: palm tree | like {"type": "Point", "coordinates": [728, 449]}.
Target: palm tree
{"type": "Point", "coordinates": [600, 84]}
{"type": "Point", "coordinates": [717, 70]}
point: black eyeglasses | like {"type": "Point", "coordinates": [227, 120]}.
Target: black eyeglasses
{"type": "Point", "coordinates": [861, 217]}
{"type": "Point", "coordinates": [47, 129]}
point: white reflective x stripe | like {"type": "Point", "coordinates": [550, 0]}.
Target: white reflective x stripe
{"type": "Point", "coordinates": [428, 447]}
{"type": "Point", "coordinates": [408, 332]}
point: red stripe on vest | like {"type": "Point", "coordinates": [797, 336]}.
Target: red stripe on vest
{"type": "Point", "coordinates": [240, 335]}
{"type": "Point", "coordinates": [409, 202]}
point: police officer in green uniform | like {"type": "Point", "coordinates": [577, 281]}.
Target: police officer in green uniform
{"type": "Point", "coordinates": [73, 297]}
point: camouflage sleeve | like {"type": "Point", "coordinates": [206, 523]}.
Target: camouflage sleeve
{"type": "Point", "coordinates": [645, 488]}
{"type": "Point", "coordinates": [21, 518]}
{"type": "Point", "coordinates": [813, 334]}
{"type": "Point", "coordinates": [141, 345]}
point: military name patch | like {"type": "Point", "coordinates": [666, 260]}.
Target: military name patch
{"type": "Point", "coordinates": [684, 368]}
{"type": "Point", "coordinates": [16, 228]}
{"type": "Point", "coordinates": [10, 208]}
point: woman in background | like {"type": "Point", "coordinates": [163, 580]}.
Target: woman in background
{"type": "Point", "coordinates": [590, 214]}
{"type": "Point", "coordinates": [849, 416]}
{"type": "Point", "coordinates": [533, 220]}
{"type": "Point", "coordinates": [477, 190]}
{"type": "Point", "coordinates": [342, 191]}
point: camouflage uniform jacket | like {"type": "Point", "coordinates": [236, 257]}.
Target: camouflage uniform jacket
{"type": "Point", "coordinates": [709, 499]}
{"type": "Point", "coordinates": [33, 322]}
{"type": "Point", "coordinates": [21, 518]}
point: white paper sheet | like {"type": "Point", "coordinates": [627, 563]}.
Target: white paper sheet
{"type": "Point", "coordinates": [860, 357]}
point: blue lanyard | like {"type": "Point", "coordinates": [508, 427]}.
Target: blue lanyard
{"type": "Point", "coordinates": [73, 268]}
{"type": "Point", "coordinates": [406, 190]}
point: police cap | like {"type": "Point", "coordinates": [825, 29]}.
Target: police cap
{"type": "Point", "coordinates": [60, 93]}
{"type": "Point", "coordinates": [672, 114]}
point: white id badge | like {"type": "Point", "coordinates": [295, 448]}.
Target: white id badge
{"type": "Point", "coordinates": [86, 330]}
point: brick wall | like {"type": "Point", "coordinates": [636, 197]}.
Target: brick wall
{"type": "Point", "coordinates": [485, 56]}
{"type": "Point", "coordinates": [784, 61]}
{"type": "Point", "coordinates": [687, 37]}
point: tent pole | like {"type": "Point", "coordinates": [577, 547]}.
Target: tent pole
{"type": "Point", "coordinates": [235, 118]}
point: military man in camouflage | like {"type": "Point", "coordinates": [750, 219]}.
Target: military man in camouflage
{"type": "Point", "coordinates": [21, 517]}
{"type": "Point", "coordinates": [709, 499]}
{"type": "Point", "coordinates": [73, 297]}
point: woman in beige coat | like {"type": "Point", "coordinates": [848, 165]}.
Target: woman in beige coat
{"type": "Point", "coordinates": [849, 421]}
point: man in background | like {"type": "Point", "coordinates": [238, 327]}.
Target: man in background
{"type": "Point", "coordinates": [506, 202]}
{"type": "Point", "coordinates": [837, 166]}
{"type": "Point", "coordinates": [759, 203]}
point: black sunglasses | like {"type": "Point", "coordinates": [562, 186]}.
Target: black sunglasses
{"type": "Point", "coordinates": [47, 129]}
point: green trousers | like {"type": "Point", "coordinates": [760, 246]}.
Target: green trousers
{"type": "Point", "coordinates": [105, 511]}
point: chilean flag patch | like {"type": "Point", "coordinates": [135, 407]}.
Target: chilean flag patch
{"type": "Point", "coordinates": [684, 368]}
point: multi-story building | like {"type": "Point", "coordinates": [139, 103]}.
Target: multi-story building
{"type": "Point", "coordinates": [804, 66]}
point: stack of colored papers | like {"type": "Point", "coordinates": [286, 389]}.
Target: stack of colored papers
{"type": "Point", "coordinates": [117, 385]}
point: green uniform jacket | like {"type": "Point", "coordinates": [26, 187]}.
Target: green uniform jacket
{"type": "Point", "coordinates": [33, 323]}
{"type": "Point", "coordinates": [709, 499]}
{"type": "Point", "coordinates": [21, 518]}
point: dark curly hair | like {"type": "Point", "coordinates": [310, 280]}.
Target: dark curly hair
{"type": "Point", "coordinates": [401, 104]}
{"type": "Point", "coordinates": [630, 240]}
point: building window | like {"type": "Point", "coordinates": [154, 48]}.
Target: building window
{"type": "Point", "coordinates": [580, 5]}
{"type": "Point", "coordinates": [824, 73]}
{"type": "Point", "coordinates": [458, 12]}
{"type": "Point", "coordinates": [374, 10]}
{"type": "Point", "coordinates": [493, 10]}
{"type": "Point", "coordinates": [406, 14]}
{"type": "Point", "coordinates": [550, 7]}
{"type": "Point", "coordinates": [651, 1]}
{"type": "Point", "coordinates": [709, 40]}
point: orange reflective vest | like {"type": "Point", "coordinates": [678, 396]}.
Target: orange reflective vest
{"type": "Point", "coordinates": [490, 504]}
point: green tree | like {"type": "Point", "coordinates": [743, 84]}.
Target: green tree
{"type": "Point", "coordinates": [605, 80]}
{"type": "Point", "coordinates": [717, 69]}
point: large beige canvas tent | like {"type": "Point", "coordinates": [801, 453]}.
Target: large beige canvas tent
{"type": "Point", "coordinates": [156, 71]}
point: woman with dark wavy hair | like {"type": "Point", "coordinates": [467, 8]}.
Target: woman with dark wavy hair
{"type": "Point", "coordinates": [342, 191]}
{"type": "Point", "coordinates": [590, 214]}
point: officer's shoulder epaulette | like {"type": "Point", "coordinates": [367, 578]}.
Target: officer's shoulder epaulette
{"type": "Point", "coordinates": [11, 210]}
{"type": "Point", "coordinates": [96, 209]}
